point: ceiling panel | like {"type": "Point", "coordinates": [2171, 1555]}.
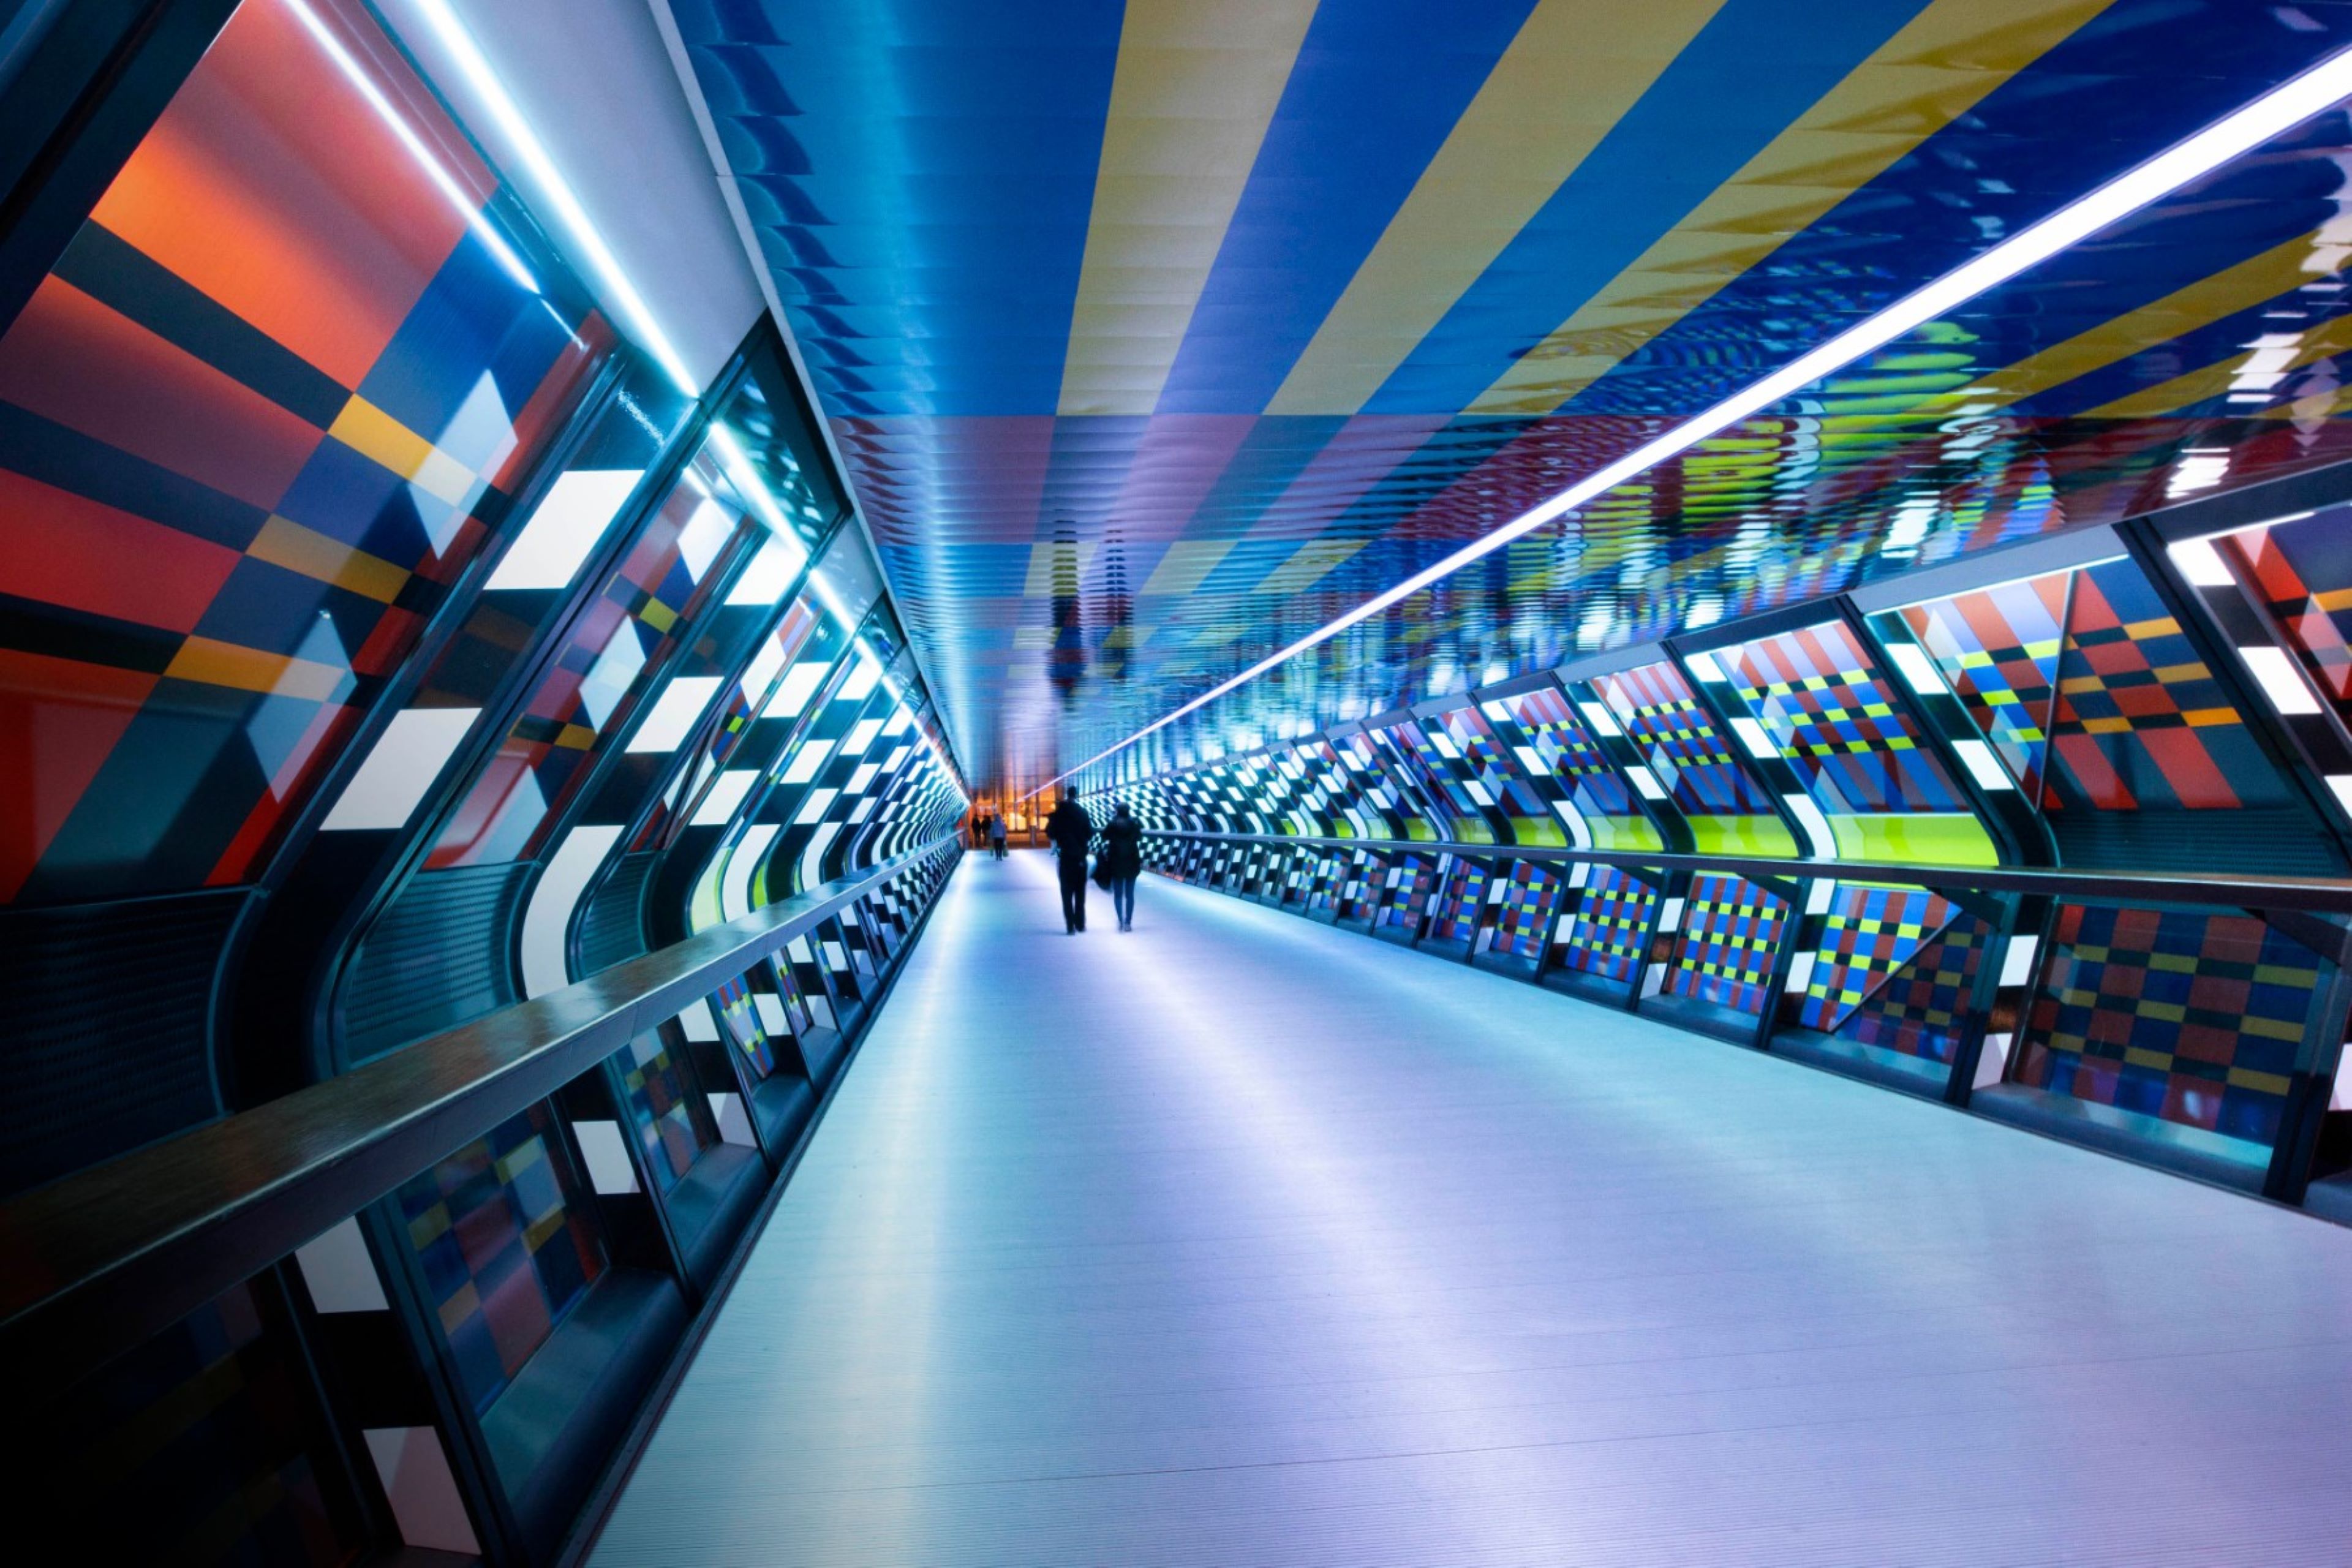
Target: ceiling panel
{"type": "Point", "coordinates": [1155, 338]}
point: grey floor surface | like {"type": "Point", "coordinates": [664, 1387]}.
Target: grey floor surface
{"type": "Point", "coordinates": [1238, 1240]}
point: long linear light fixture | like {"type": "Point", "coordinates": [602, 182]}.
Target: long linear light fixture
{"type": "Point", "coordinates": [2317, 89]}
{"type": "Point", "coordinates": [468, 208]}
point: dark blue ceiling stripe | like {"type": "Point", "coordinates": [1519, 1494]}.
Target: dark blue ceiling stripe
{"type": "Point", "coordinates": [1378, 86]}
{"type": "Point", "coordinates": [1706, 116]}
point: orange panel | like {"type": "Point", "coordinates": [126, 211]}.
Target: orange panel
{"type": "Point", "coordinates": [272, 185]}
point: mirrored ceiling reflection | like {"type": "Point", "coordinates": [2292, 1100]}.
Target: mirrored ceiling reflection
{"type": "Point", "coordinates": [1119, 433]}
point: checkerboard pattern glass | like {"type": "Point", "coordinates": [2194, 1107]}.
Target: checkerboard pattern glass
{"type": "Point", "coordinates": [503, 1237]}
{"type": "Point", "coordinates": [1730, 939]}
{"type": "Point", "coordinates": [1560, 745]}
{"type": "Point", "coordinates": [1873, 970]}
{"type": "Point", "coordinates": [1609, 933]}
{"type": "Point", "coordinates": [2303, 571]}
{"type": "Point", "coordinates": [662, 1110]}
{"type": "Point", "coordinates": [1481, 761]}
{"type": "Point", "coordinates": [1523, 915]}
{"type": "Point", "coordinates": [280, 370]}
{"type": "Point", "coordinates": [2115, 713]}
{"type": "Point", "coordinates": [1413, 756]}
{"type": "Point", "coordinates": [617, 651]}
{"type": "Point", "coordinates": [1921, 1008]}
{"type": "Point", "coordinates": [2142, 724]}
{"type": "Point", "coordinates": [1657, 708]}
{"type": "Point", "coordinates": [1409, 881]}
{"type": "Point", "coordinates": [2196, 1019]}
{"type": "Point", "coordinates": [1998, 650]}
{"type": "Point", "coordinates": [1830, 709]}
{"type": "Point", "coordinates": [1454, 917]}
{"type": "Point", "coordinates": [738, 1021]}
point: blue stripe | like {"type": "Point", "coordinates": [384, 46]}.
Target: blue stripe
{"type": "Point", "coordinates": [1706, 116]}
{"type": "Point", "coordinates": [1378, 86]}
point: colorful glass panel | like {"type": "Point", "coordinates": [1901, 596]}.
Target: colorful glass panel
{"type": "Point", "coordinates": [1523, 915]}
{"type": "Point", "coordinates": [1556, 741]}
{"type": "Point", "coordinates": [1727, 810]}
{"type": "Point", "coordinates": [1867, 933]}
{"type": "Point", "coordinates": [739, 1020]}
{"type": "Point", "coordinates": [1921, 1008]}
{"type": "Point", "coordinates": [503, 1236]}
{"type": "Point", "coordinates": [2302, 573]}
{"type": "Point", "coordinates": [1609, 933]}
{"type": "Point", "coordinates": [285, 373]}
{"type": "Point", "coordinates": [2142, 723]}
{"type": "Point", "coordinates": [1829, 710]}
{"type": "Point", "coordinates": [661, 1109]}
{"type": "Point", "coordinates": [1454, 917]}
{"type": "Point", "coordinates": [1997, 649]}
{"type": "Point", "coordinates": [1730, 942]}
{"type": "Point", "coordinates": [617, 649]}
{"type": "Point", "coordinates": [2196, 1019]}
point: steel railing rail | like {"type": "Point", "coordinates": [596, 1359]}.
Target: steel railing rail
{"type": "Point", "coordinates": [105, 1258]}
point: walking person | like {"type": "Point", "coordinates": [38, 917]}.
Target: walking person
{"type": "Point", "coordinates": [1072, 831]}
{"type": "Point", "coordinates": [996, 834]}
{"type": "Point", "coordinates": [1122, 862]}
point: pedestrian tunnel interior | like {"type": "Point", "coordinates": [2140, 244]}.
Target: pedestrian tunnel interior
{"type": "Point", "coordinates": [1811, 563]}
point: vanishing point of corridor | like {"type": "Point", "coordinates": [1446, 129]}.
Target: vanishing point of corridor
{"type": "Point", "coordinates": [1241, 1240]}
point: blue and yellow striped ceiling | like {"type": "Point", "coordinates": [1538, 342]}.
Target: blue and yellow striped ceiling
{"type": "Point", "coordinates": [1156, 335]}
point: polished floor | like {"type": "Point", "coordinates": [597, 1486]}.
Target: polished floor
{"type": "Point", "coordinates": [1242, 1241]}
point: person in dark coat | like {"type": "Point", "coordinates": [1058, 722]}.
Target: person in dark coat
{"type": "Point", "coordinates": [1071, 832]}
{"type": "Point", "coordinates": [1122, 862]}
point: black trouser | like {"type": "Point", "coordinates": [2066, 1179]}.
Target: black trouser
{"type": "Point", "coordinates": [1074, 892]}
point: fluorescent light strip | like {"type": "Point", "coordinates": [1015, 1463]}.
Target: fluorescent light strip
{"type": "Point", "coordinates": [2283, 108]}
{"type": "Point", "coordinates": [557, 191]}
{"type": "Point", "coordinates": [443, 180]}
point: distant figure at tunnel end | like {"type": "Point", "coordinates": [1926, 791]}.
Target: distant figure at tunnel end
{"type": "Point", "coordinates": [1122, 862]}
{"type": "Point", "coordinates": [1071, 831]}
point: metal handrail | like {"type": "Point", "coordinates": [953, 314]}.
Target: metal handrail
{"type": "Point", "coordinates": [2322, 895]}
{"type": "Point", "coordinates": [106, 1258]}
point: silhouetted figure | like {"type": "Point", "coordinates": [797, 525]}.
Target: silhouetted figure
{"type": "Point", "coordinates": [1070, 830]}
{"type": "Point", "coordinates": [996, 836]}
{"type": "Point", "coordinates": [1122, 862]}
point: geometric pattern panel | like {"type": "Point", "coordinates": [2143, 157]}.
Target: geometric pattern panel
{"type": "Point", "coordinates": [1730, 941]}
{"type": "Point", "coordinates": [2302, 573]}
{"type": "Point", "coordinates": [1609, 934]}
{"type": "Point", "coordinates": [1867, 934]}
{"type": "Point", "coordinates": [1997, 649]}
{"type": "Point", "coordinates": [1837, 721]}
{"type": "Point", "coordinates": [1921, 1008]}
{"type": "Point", "coordinates": [2141, 721]}
{"type": "Point", "coordinates": [1556, 738]}
{"type": "Point", "coordinates": [503, 1237]}
{"type": "Point", "coordinates": [1455, 916]}
{"type": "Point", "coordinates": [662, 1109]}
{"type": "Point", "coordinates": [739, 1020]}
{"type": "Point", "coordinates": [1680, 742]}
{"type": "Point", "coordinates": [616, 651]}
{"type": "Point", "coordinates": [1407, 891]}
{"type": "Point", "coordinates": [2196, 1019]}
{"type": "Point", "coordinates": [1523, 917]}
{"type": "Point", "coordinates": [291, 387]}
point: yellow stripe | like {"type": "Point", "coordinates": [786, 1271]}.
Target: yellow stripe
{"type": "Point", "coordinates": [1186, 563]}
{"type": "Point", "coordinates": [370, 432]}
{"type": "Point", "coordinates": [298, 548]}
{"type": "Point", "coordinates": [1570, 75]}
{"type": "Point", "coordinates": [1055, 568]}
{"type": "Point", "coordinates": [215, 663]}
{"type": "Point", "coordinates": [2210, 381]}
{"type": "Point", "coordinates": [1946, 61]}
{"type": "Point", "coordinates": [1311, 562]}
{"type": "Point", "coordinates": [1196, 86]}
